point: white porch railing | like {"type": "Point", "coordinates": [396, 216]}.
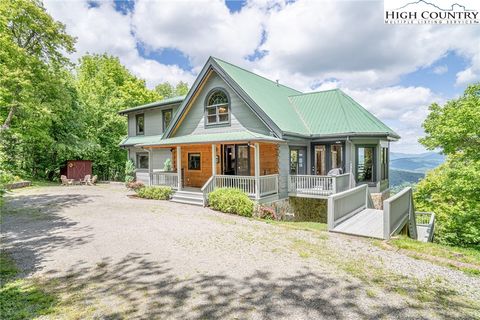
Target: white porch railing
{"type": "Point", "coordinates": [318, 185]}
{"type": "Point", "coordinates": [244, 183]}
{"type": "Point", "coordinates": [208, 187]}
{"type": "Point", "coordinates": [268, 185]}
{"type": "Point", "coordinates": [169, 179]}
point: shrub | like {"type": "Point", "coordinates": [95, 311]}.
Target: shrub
{"type": "Point", "coordinates": [157, 193]}
{"type": "Point", "coordinates": [265, 212]}
{"type": "Point", "coordinates": [129, 171]}
{"type": "Point", "coordinates": [135, 185]}
{"type": "Point", "coordinates": [167, 165]}
{"type": "Point", "coordinates": [231, 200]}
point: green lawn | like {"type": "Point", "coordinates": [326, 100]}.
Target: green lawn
{"type": "Point", "coordinates": [21, 298]}
{"type": "Point", "coordinates": [430, 251]}
{"type": "Point", "coordinates": [308, 226]}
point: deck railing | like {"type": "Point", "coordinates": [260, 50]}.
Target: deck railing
{"type": "Point", "coordinates": [268, 185]}
{"type": "Point", "coordinates": [169, 179]}
{"type": "Point", "coordinates": [397, 210]}
{"type": "Point", "coordinates": [344, 205]}
{"type": "Point", "coordinates": [318, 185]}
{"type": "Point", "coordinates": [310, 185]}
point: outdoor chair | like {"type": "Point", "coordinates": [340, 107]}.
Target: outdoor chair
{"type": "Point", "coordinates": [65, 181]}
{"type": "Point", "coordinates": [92, 181]}
{"type": "Point", "coordinates": [86, 179]}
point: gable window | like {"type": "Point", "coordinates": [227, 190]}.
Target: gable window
{"type": "Point", "coordinates": [217, 108]}
{"type": "Point", "coordinates": [142, 160]}
{"type": "Point", "coordinates": [167, 118]}
{"type": "Point", "coordinates": [140, 123]}
{"type": "Point", "coordinates": [194, 160]}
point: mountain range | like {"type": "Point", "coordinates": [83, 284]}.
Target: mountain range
{"type": "Point", "coordinates": [410, 168]}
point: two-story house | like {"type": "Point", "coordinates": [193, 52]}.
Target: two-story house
{"type": "Point", "coordinates": [236, 128]}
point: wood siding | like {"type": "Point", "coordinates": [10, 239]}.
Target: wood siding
{"type": "Point", "coordinates": [241, 116]}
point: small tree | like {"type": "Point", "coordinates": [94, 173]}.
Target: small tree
{"type": "Point", "coordinates": [129, 171]}
{"type": "Point", "coordinates": [167, 165]}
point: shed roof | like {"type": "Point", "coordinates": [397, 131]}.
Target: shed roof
{"type": "Point", "coordinates": [134, 140]}
{"type": "Point", "coordinates": [160, 103]}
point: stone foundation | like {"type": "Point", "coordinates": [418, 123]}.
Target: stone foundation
{"type": "Point", "coordinates": [379, 197]}
{"type": "Point", "coordinates": [294, 208]}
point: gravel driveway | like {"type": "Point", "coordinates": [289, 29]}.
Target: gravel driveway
{"type": "Point", "coordinates": [135, 258]}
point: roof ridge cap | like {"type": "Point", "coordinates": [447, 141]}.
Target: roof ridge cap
{"type": "Point", "coordinates": [343, 109]}
{"type": "Point", "coordinates": [256, 74]}
{"type": "Point", "coordinates": [294, 106]}
{"type": "Point", "coordinates": [313, 92]}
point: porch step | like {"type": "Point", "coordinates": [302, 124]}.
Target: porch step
{"type": "Point", "coordinates": [188, 197]}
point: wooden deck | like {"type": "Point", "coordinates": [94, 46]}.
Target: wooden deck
{"type": "Point", "coordinates": [366, 223]}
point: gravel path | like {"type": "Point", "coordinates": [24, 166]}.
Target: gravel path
{"type": "Point", "coordinates": [147, 259]}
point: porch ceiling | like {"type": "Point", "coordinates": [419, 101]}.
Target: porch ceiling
{"type": "Point", "coordinates": [213, 138]}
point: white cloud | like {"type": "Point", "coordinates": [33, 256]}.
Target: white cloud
{"type": "Point", "coordinates": [402, 108]}
{"type": "Point", "coordinates": [103, 29]}
{"type": "Point", "coordinates": [199, 29]}
{"type": "Point", "coordinates": [347, 40]}
{"type": "Point", "coordinates": [440, 69]}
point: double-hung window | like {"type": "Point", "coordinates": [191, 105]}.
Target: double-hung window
{"type": "Point", "coordinates": [217, 108]}
{"type": "Point", "coordinates": [140, 124]}
{"type": "Point", "coordinates": [142, 160]}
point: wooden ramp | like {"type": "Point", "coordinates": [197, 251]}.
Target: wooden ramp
{"type": "Point", "coordinates": [366, 223]}
{"type": "Point", "coordinates": [351, 212]}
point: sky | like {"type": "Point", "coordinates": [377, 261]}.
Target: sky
{"type": "Point", "coordinates": [395, 71]}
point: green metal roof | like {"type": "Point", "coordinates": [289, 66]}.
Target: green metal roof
{"type": "Point", "coordinates": [309, 114]}
{"type": "Point", "coordinates": [270, 96]}
{"type": "Point", "coordinates": [334, 112]}
{"type": "Point", "coordinates": [155, 104]}
{"type": "Point", "coordinates": [131, 141]}
{"type": "Point", "coordinates": [213, 137]}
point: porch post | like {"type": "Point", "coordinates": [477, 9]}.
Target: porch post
{"type": "Point", "coordinates": [257, 171]}
{"type": "Point", "coordinates": [150, 166]}
{"type": "Point", "coordinates": [214, 160]}
{"type": "Point", "coordinates": [179, 167]}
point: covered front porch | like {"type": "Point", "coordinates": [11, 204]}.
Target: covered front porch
{"type": "Point", "coordinates": [250, 165]}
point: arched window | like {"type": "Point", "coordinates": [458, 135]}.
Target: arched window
{"type": "Point", "coordinates": [217, 108]}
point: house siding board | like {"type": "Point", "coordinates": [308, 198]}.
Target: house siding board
{"type": "Point", "coordinates": [153, 122]}
{"type": "Point", "coordinates": [241, 116]}
{"type": "Point", "coordinates": [159, 156]}
{"type": "Point", "coordinates": [131, 125]}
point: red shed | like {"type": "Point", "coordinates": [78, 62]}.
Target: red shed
{"type": "Point", "coordinates": [77, 169]}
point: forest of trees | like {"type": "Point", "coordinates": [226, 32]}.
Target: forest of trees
{"type": "Point", "coordinates": [52, 109]}
{"type": "Point", "coordinates": [452, 190]}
